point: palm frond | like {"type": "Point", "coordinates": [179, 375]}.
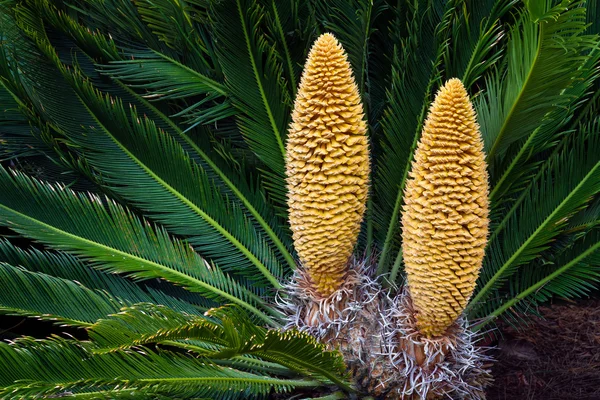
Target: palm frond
{"type": "Point", "coordinates": [65, 266]}
{"type": "Point", "coordinates": [58, 367]}
{"type": "Point", "coordinates": [227, 333]}
{"type": "Point", "coordinates": [42, 296]}
{"type": "Point", "coordinates": [233, 182]}
{"type": "Point", "coordinates": [113, 238]}
{"type": "Point", "coordinates": [352, 23]}
{"type": "Point", "coordinates": [545, 54]}
{"type": "Point", "coordinates": [163, 78]}
{"type": "Point", "coordinates": [291, 26]}
{"type": "Point", "coordinates": [476, 31]}
{"type": "Point", "coordinates": [253, 75]}
{"type": "Point", "coordinates": [573, 274]}
{"type": "Point", "coordinates": [138, 163]}
{"type": "Point", "coordinates": [569, 181]}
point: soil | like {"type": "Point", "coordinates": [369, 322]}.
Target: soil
{"type": "Point", "coordinates": [554, 357]}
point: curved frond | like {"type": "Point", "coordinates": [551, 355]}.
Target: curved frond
{"type": "Point", "coordinates": [226, 333]}
{"type": "Point", "coordinates": [253, 74]}
{"type": "Point", "coordinates": [150, 169]}
{"type": "Point", "coordinates": [568, 182]}
{"type": "Point", "coordinates": [42, 296]}
{"type": "Point", "coordinates": [113, 238]}
{"type": "Point", "coordinates": [544, 57]}
{"type": "Point", "coordinates": [205, 153]}
{"type": "Point", "coordinates": [65, 266]}
{"type": "Point", "coordinates": [58, 367]}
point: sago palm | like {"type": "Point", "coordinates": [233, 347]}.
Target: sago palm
{"type": "Point", "coordinates": [306, 199]}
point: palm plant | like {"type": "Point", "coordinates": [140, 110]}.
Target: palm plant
{"type": "Point", "coordinates": [148, 167]}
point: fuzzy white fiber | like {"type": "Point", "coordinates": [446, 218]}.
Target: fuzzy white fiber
{"type": "Point", "coordinates": [374, 330]}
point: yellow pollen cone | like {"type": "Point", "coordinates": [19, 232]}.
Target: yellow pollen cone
{"type": "Point", "coordinates": [445, 218]}
{"type": "Point", "coordinates": [327, 165]}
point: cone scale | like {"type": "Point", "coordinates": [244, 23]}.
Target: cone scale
{"type": "Point", "coordinates": [327, 166]}
{"type": "Point", "coordinates": [445, 218]}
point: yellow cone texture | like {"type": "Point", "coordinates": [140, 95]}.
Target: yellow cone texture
{"type": "Point", "coordinates": [445, 218]}
{"type": "Point", "coordinates": [327, 165]}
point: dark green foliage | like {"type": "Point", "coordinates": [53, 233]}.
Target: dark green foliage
{"type": "Point", "coordinates": [145, 140]}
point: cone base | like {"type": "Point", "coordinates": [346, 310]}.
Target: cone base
{"type": "Point", "coordinates": [384, 351]}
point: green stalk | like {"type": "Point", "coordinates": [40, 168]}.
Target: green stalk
{"type": "Point", "coordinates": [396, 267]}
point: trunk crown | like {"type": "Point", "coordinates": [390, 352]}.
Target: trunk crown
{"type": "Point", "coordinates": [327, 165]}
{"type": "Point", "coordinates": [445, 217]}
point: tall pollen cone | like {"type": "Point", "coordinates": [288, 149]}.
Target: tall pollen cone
{"type": "Point", "coordinates": [327, 166]}
{"type": "Point", "coordinates": [445, 219]}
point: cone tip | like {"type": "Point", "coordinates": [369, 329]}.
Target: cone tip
{"type": "Point", "coordinates": [454, 84]}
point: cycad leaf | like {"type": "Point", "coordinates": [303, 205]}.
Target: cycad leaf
{"type": "Point", "coordinates": [113, 238]}
{"type": "Point", "coordinates": [149, 168]}
{"type": "Point", "coordinates": [56, 367]}
{"type": "Point", "coordinates": [45, 297]}
{"type": "Point", "coordinates": [572, 274]}
{"type": "Point", "coordinates": [352, 23]}
{"type": "Point", "coordinates": [543, 59]}
{"type": "Point", "coordinates": [227, 331]}
{"type": "Point", "coordinates": [65, 266]}
{"type": "Point", "coordinates": [163, 78]}
{"type": "Point", "coordinates": [232, 181]}
{"type": "Point", "coordinates": [568, 182]}
{"type": "Point", "coordinates": [253, 75]}
{"type": "Point", "coordinates": [476, 31]}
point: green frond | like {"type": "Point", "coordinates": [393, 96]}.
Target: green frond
{"type": "Point", "coordinates": [150, 169]}
{"type": "Point", "coordinates": [113, 238]}
{"type": "Point", "coordinates": [593, 16]}
{"type": "Point", "coordinates": [568, 182]}
{"type": "Point", "coordinates": [352, 23]}
{"type": "Point", "coordinates": [253, 74]}
{"type": "Point", "coordinates": [573, 274]}
{"type": "Point", "coordinates": [67, 267]}
{"type": "Point", "coordinates": [17, 137]}
{"type": "Point", "coordinates": [160, 77]}
{"type": "Point", "coordinates": [544, 57]}
{"type": "Point", "coordinates": [145, 323]}
{"type": "Point", "coordinates": [37, 295]}
{"type": "Point", "coordinates": [291, 26]}
{"type": "Point", "coordinates": [121, 19]}
{"type": "Point", "coordinates": [232, 182]}
{"type": "Point", "coordinates": [474, 44]}
{"type": "Point", "coordinates": [226, 333]}
{"type": "Point", "coordinates": [56, 367]}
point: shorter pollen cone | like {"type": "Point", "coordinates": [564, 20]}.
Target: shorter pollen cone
{"type": "Point", "coordinates": [327, 166]}
{"type": "Point", "coordinates": [445, 218]}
